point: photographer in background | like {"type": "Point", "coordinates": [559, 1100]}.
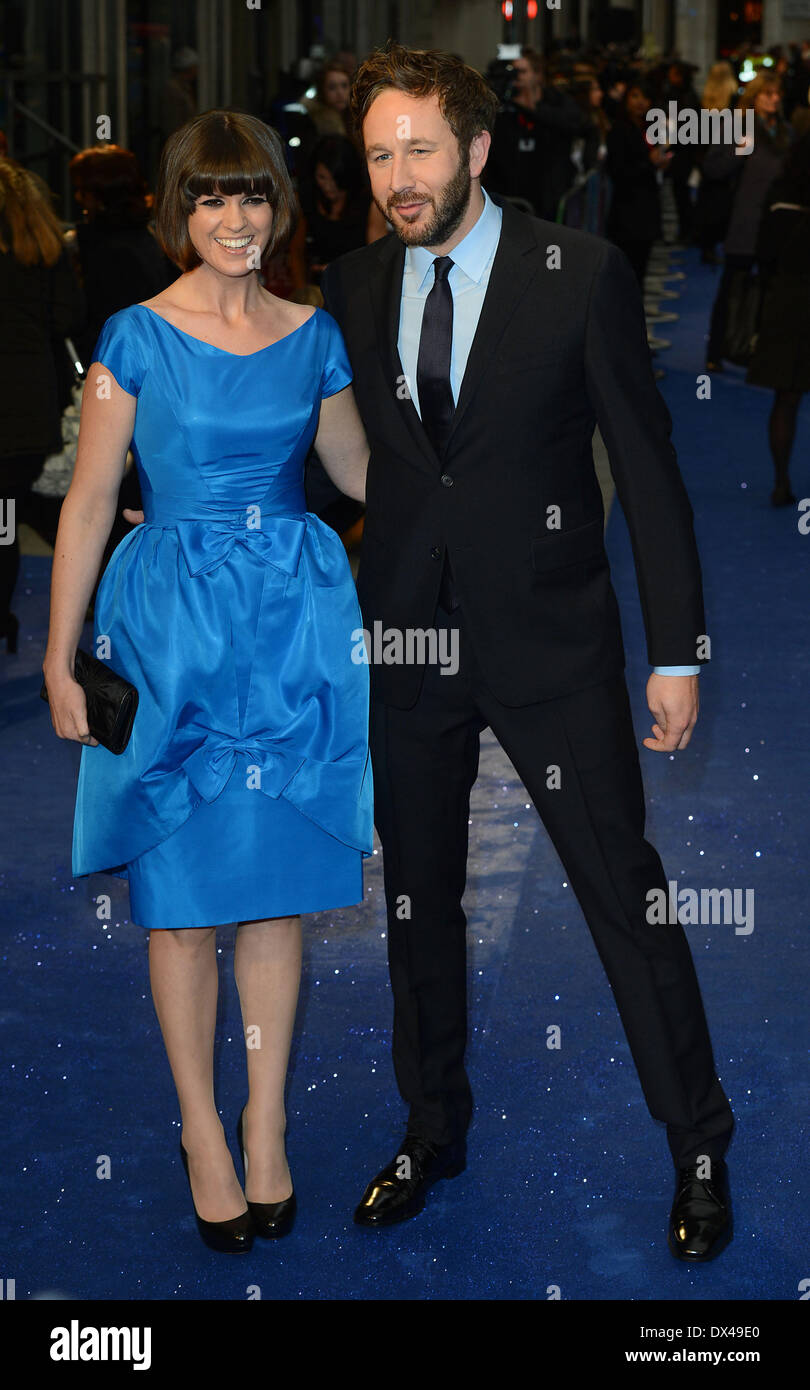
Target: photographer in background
{"type": "Point", "coordinates": [530, 155]}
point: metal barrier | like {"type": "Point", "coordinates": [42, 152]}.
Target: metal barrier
{"type": "Point", "coordinates": [587, 203]}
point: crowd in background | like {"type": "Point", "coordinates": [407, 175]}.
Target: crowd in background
{"type": "Point", "coordinates": [565, 120]}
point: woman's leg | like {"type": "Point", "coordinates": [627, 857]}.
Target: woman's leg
{"type": "Point", "coordinates": [781, 434]}
{"type": "Point", "coordinates": [183, 974]}
{"type": "Point", "coordinates": [267, 968]}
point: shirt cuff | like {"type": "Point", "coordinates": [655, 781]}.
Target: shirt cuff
{"type": "Point", "coordinates": [676, 670]}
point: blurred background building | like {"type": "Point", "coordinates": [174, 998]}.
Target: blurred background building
{"type": "Point", "coordinates": [148, 64]}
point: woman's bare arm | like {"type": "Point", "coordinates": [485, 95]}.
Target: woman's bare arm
{"type": "Point", "coordinates": [341, 444]}
{"type": "Point", "coordinates": [85, 522]}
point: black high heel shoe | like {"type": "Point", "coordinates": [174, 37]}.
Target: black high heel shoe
{"type": "Point", "coordinates": [10, 632]}
{"type": "Point", "coordinates": [235, 1234]}
{"type": "Point", "coordinates": [271, 1219]}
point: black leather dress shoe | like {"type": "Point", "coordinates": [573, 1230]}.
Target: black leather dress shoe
{"type": "Point", "coordinates": [398, 1192]}
{"type": "Point", "coordinates": [700, 1223]}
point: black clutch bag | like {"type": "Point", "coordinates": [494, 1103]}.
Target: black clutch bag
{"type": "Point", "coordinates": [111, 701]}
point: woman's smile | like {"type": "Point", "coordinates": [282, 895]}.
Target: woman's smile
{"type": "Point", "coordinates": [234, 245]}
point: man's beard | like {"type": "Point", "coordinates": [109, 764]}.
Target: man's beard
{"type": "Point", "coordinates": [448, 212]}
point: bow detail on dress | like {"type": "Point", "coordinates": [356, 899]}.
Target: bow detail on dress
{"type": "Point", "coordinates": [207, 544]}
{"type": "Point", "coordinates": [209, 766]}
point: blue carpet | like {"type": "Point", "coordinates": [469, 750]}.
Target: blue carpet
{"type": "Point", "coordinates": [569, 1180]}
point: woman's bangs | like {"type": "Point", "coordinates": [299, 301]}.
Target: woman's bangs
{"type": "Point", "coordinates": [231, 165]}
{"type": "Point", "coordinates": [228, 181]}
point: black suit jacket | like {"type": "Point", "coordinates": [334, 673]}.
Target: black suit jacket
{"type": "Point", "coordinates": [515, 499]}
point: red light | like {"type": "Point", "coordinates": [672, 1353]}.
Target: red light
{"type": "Point", "coordinates": [531, 9]}
{"type": "Point", "coordinates": [507, 8]}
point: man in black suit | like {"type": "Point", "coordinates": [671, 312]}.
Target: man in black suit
{"type": "Point", "coordinates": [485, 346]}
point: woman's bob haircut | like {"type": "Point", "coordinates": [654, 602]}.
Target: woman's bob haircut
{"type": "Point", "coordinates": [223, 152]}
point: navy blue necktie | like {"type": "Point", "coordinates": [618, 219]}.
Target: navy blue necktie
{"type": "Point", "coordinates": [436, 404]}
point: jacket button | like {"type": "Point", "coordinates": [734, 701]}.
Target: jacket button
{"type": "Point", "coordinates": [446, 480]}
{"type": "Point", "coordinates": [435, 553]}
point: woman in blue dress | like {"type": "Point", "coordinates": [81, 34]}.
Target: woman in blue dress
{"type": "Point", "coordinates": [244, 793]}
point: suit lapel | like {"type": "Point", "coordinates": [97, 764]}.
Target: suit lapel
{"type": "Point", "coordinates": [512, 271]}
{"type": "Point", "coordinates": [385, 288]}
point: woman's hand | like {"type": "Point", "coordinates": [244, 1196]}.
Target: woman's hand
{"type": "Point", "coordinates": [68, 705]}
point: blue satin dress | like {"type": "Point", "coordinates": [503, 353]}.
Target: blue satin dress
{"type": "Point", "coordinates": [245, 790]}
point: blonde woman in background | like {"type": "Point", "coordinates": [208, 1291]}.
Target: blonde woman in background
{"type": "Point", "coordinates": [720, 88]}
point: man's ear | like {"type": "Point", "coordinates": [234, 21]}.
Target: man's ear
{"type": "Point", "coordinates": [479, 149]}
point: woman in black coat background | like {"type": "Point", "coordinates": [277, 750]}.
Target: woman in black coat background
{"type": "Point", "coordinates": [334, 202]}
{"type": "Point", "coordinates": [753, 175]}
{"type": "Point", "coordinates": [634, 220]}
{"type": "Point", "coordinates": [781, 358]}
{"type": "Point", "coordinates": [117, 256]}
{"type": "Point", "coordinates": [119, 262]}
{"type": "Point", "coordinates": [41, 303]}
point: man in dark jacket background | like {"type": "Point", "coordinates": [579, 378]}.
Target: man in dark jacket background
{"type": "Point", "coordinates": [530, 155]}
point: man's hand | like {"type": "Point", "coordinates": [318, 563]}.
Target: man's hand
{"type": "Point", "coordinates": [674, 702]}
{"type": "Point", "coordinates": [134, 518]}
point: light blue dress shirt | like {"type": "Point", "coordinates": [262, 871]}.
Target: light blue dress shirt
{"type": "Point", "coordinates": [468, 280]}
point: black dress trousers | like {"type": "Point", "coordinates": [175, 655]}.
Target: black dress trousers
{"type": "Point", "coordinates": [425, 762]}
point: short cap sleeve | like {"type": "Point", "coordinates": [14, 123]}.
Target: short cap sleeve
{"type": "Point", "coordinates": [337, 372]}
{"type": "Point", "coordinates": [121, 347]}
